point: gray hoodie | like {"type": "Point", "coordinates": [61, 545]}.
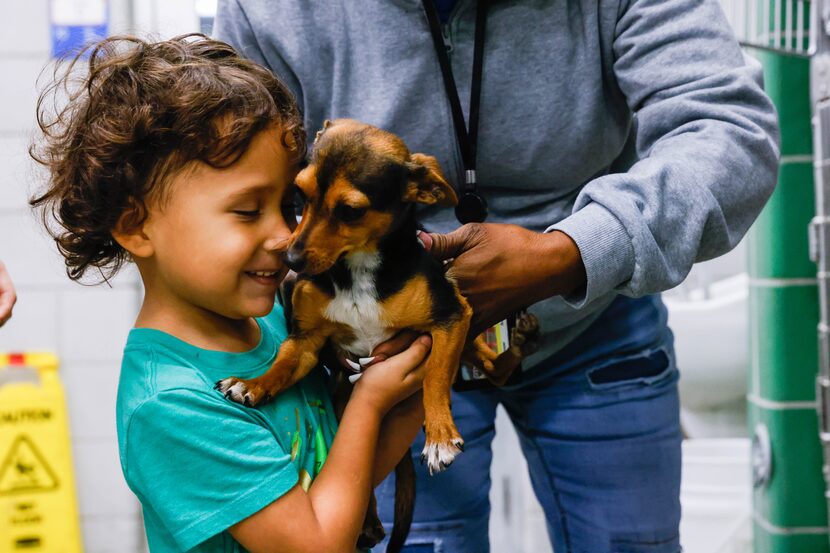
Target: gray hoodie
{"type": "Point", "coordinates": [565, 84]}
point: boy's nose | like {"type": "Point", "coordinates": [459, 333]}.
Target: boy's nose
{"type": "Point", "coordinates": [295, 258]}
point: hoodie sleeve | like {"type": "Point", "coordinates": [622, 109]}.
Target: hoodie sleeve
{"type": "Point", "coordinates": [707, 145]}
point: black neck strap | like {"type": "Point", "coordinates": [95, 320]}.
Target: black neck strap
{"type": "Point", "coordinates": [466, 139]}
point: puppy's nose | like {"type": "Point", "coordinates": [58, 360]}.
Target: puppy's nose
{"type": "Point", "coordinates": [295, 259]}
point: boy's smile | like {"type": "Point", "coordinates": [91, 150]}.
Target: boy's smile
{"type": "Point", "coordinates": [215, 244]}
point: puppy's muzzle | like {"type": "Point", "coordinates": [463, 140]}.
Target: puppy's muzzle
{"type": "Point", "coordinates": [295, 259]}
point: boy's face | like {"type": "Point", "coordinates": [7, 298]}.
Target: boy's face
{"type": "Point", "coordinates": [217, 228]}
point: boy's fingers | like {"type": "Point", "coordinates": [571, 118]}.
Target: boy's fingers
{"type": "Point", "coordinates": [417, 352]}
{"type": "Point", "coordinates": [417, 374]}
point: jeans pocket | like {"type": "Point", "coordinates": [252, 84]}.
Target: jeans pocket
{"type": "Point", "coordinates": [644, 368]}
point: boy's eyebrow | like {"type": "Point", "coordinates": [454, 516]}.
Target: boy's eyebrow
{"type": "Point", "coordinates": [252, 190]}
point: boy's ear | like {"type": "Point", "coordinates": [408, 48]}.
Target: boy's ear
{"type": "Point", "coordinates": [427, 184]}
{"type": "Point", "coordinates": [131, 236]}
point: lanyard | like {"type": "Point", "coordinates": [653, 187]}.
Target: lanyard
{"type": "Point", "coordinates": [471, 206]}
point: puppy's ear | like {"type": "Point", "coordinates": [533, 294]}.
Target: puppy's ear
{"type": "Point", "coordinates": [427, 184]}
{"type": "Point", "coordinates": [326, 124]}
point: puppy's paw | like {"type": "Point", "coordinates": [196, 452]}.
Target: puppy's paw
{"type": "Point", "coordinates": [246, 392]}
{"type": "Point", "coordinates": [440, 455]}
{"type": "Point", "coordinates": [525, 335]}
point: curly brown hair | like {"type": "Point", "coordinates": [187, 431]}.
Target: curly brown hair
{"type": "Point", "coordinates": [141, 112]}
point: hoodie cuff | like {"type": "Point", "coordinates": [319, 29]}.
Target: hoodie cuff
{"type": "Point", "coordinates": [606, 250]}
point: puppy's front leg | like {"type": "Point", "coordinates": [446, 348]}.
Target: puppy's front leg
{"type": "Point", "coordinates": [297, 356]}
{"type": "Point", "coordinates": [443, 442]}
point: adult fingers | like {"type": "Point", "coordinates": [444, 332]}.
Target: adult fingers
{"type": "Point", "coordinates": [393, 346]}
{"type": "Point", "coordinates": [408, 360]}
{"type": "Point", "coordinates": [448, 246]}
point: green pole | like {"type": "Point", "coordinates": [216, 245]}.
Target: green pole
{"type": "Point", "coordinates": [789, 506]}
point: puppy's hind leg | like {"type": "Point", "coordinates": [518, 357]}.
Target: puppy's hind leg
{"type": "Point", "coordinates": [498, 367]}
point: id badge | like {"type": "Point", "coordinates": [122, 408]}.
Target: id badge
{"type": "Point", "coordinates": [498, 338]}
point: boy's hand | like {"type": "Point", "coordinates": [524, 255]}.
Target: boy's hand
{"type": "Point", "coordinates": [386, 383]}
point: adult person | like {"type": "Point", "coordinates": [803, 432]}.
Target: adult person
{"type": "Point", "coordinates": [580, 227]}
{"type": "Point", "coordinates": [8, 297]}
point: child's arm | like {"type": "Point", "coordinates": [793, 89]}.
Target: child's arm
{"type": "Point", "coordinates": [330, 516]}
{"type": "Point", "coordinates": [403, 422]}
{"type": "Point", "coordinates": [397, 432]}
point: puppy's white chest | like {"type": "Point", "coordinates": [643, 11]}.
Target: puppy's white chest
{"type": "Point", "coordinates": [358, 307]}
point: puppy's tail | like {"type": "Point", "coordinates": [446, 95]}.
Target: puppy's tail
{"type": "Point", "coordinates": [404, 503]}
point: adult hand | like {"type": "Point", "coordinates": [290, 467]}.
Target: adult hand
{"type": "Point", "coordinates": [8, 297]}
{"type": "Point", "coordinates": [502, 268]}
{"type": "Point", "coordinates": [383, 351]}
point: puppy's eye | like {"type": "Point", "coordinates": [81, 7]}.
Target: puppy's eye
{"type": "Point", "coordinates": [293, 202]}
{"type": "Point", "coordinates": [300, 196]}
{"type": "Point", "coordinates": [349, 214]}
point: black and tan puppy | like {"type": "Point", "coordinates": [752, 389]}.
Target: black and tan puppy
{"type": "Point", "coordinates": [363, 276]}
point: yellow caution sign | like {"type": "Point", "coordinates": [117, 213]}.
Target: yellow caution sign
{"type": "Point", "coordinates": [38, 510]}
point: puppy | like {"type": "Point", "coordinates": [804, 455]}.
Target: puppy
{"type": "Point", "coordinates": [364, 276]}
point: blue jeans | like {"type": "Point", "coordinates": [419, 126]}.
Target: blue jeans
{"type": "Point", "coordinates": [599, 426]}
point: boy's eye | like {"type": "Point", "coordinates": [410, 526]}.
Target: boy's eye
{"type": "Point", "coordinates": [247, 214]}
{"type": "Point", "coordinates": [349, 214]}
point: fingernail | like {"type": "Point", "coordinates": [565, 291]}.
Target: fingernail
{"type": "Point", "coordinates": [425, 239]}
{"type": "Point", "coordinates": [355, 377]}
{"type": "Point", "coordinates": [425, 339]}
{"type": "Point", "coordinates": [354, 365]}
{"type": "Point", "coordinates": [366, 360]}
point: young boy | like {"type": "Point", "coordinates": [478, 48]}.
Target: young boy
{"type": "Point", "coordinates": [180, 156]}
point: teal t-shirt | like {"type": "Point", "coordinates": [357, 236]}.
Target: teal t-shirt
{"type": "Point", "coordinates": [200, 463]}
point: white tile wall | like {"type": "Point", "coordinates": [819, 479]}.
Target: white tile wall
{"type": "Point", "coordinates": [17, 111]}
{"type": "Point", "coordinates": [33, 325]}
{"type": "Point", "coordinates": [113, 534]}
{"type": "Point", "coordinates": [94, 322]}
{"type": "Point", "coordinates": [30, 31]}
{"type": "Point", "coordinates": [17, 172]}
{"type": "Point", "coordinates": [85, 326]}
{"type": "Point", "coordinates": [98, 475]}
{"type": "Point", "coordinates": [90, 395]}
{"type": "Point", "coordinates": [29, 254]}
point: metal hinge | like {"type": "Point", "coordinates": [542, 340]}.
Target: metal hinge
{"type": "Point", "coordinates": [813, 240]}
{"type": "Point", "coordinates": [823, 396]}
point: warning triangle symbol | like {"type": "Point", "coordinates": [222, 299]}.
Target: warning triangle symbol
{"type": "Point", "coordinates": [25, 470]}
